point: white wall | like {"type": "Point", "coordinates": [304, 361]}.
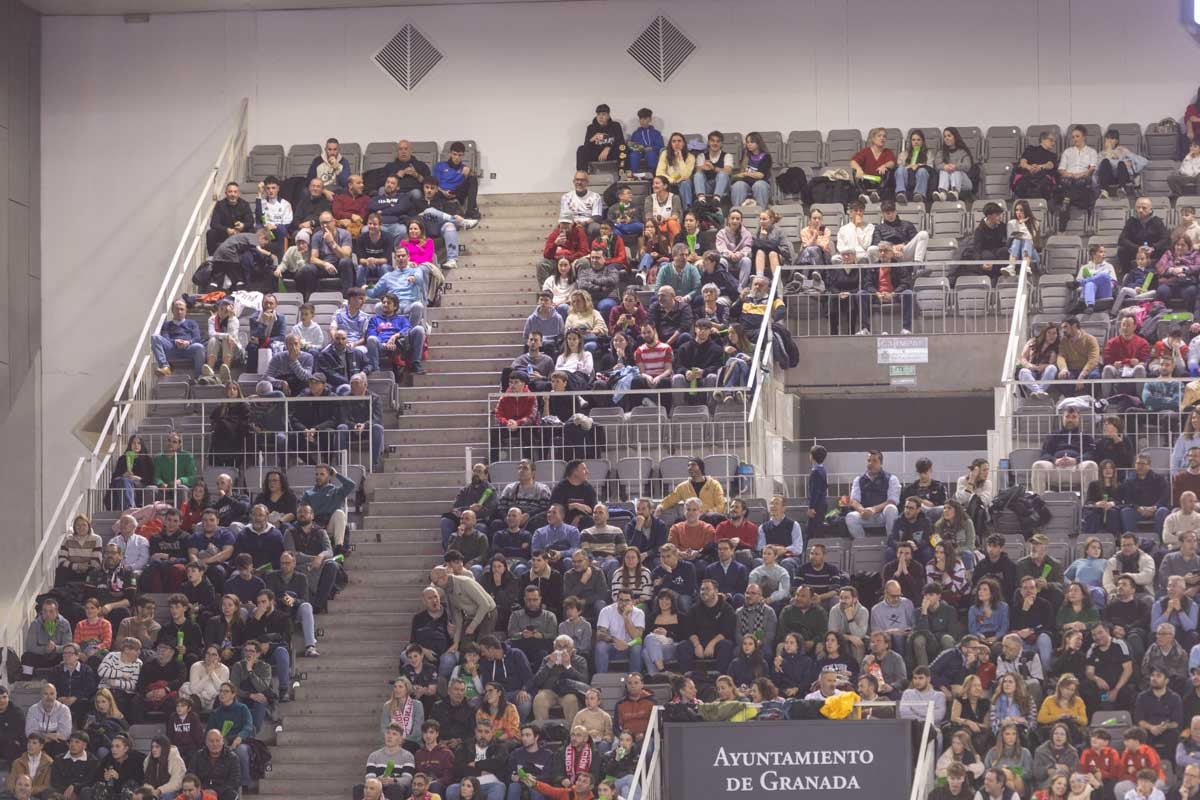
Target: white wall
{"type": "Point", "coordinates": [132, 112]}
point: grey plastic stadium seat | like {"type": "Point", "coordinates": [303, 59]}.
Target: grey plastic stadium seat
{"type": "Point", "coordinates": [353, 153]}
{"type": "Point", "coordinates": [948, 218]}
{"type": "Point", "coordinates": [379, 154]}
{"type": "Point", "coordinates": [1159, 146]}
{"type": "Point", "coordinates": [973, 295]}
{"type": "Point", "coordinates": [866, 556]}
{"type": "Point", "coordinates": [1160, 459]}
{"type": "Point", "coordinates": [841, 144]}
{"type": "Point", "coordinates": [210, 475]}
{"type": "Point", "coordinates": [1003, 144]}
{"type": "Point", "coordinates": [733, 144]}
{"type": "Point", "coordinates": [1108, 216]}
{"type": "Point", "coordinates": [1131, 135]}
{"type": "Point", "coordinates": [932, 295]}
{"type": "Point", "coordinates": [893, 140]}
{"type": "Point", "coordinates": [673, 470]}
{"type": "Point", "coordinates": [932, 137]}
{"type": "Point", "coordinates": [299, 157]}
{"type": "Point", "coordinates": [633, 475]}
{"type": "Point", "coordinates": [428, 152]}
{"type": "Point", "coordinates": [301, 477]}
{"type": "Point", "coordinates": [1063, 253]}
{"type": "Point", "coordinates": [1154, 177]}
{"type": "Point", "coordinates": [997, 179]}
{"type": "Point", "coordinates": [264, 160]}
{"type": "Point", "coordinates": [774, 143]}
{"type": "Point", "coordinates": [1033, 132]}
{"type": "Point", "coordinates": [1006, 294]}
{"type": "Point", "coordinates": [804, 149]}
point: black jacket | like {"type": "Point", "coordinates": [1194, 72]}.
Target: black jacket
{"type": "Point", "coordinates": [193, 637]}
{"type": "Point", "coordinates": [1071, 443]}
{"type": "Point", "coordinates": [82, 683]}
{"type": "Point", "coordinates": [1152, 490]}
{"type": "Point", "coordinates": [1152, 232]}
{"type": "Point", "coordinates": [726, 286]}
{"type": "Point", "coordinates": [705, 622]}
{"type": "Point", "coordinates": [668, 322]}
{"type": "Point", "coordinates": [12, 722]}
{"type": "Point", "coordinates": [338, 367]}
{"type": "Point", "coordinates": [902, 278]}
{"type": "Point", "coordinates": [458, 722]}
{"type": "Point", "coordinates": [1003, 570]}
{"type": "Point", "coordinates": [309, 209]}
{"type": "Point", "coordinates": [223, 775]}
{"type": "Point", "coordinates": [408, 182]}
{"type": "Point", "coordinates": [317, 416]}
{"type": "Point", "coordinates": [358, 410]}
{"type": "Point", "coordinates": [613, 135]}
{"type": "Point", "coordinates": [80, 774]}
{"type": "Point", "coordinates": [709, 356]}
{"type": "Point", "coordinates": [840, 279]}
{"type": "Point", "coordinates": [899, 232]}
{"type": "Point", "coordinates": [224, 215]}
{"type": "Point", "coordinates": [989, 239]}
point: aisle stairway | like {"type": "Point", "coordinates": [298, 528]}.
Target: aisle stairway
{"type": "Point", "coordinates": [333, 724]}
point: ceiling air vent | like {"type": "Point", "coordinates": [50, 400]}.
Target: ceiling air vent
{"type": "Point", "coordinates": [408, 57]}
{"type": "Point", "coordinates": [661, 48]}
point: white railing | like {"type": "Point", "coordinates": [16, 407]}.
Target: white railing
{"type": "Point", "coordinates": [647, 776]}
{"type": "Point", "coordinates": [189, 254]}
{"type": "Point", "coordinates": [924, 758]}
{"type": "Point", "coordinates": [1000, 438]}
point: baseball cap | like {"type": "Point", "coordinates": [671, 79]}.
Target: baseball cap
{"type": "Point", "coordinates": [317, 377]}
{"type": "Point", "coordinates": [602, 108]}
{"type": "Point", "coordinates": [1039, 538]}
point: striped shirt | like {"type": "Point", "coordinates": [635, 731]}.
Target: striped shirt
{"type": "Point", "coordinates": [80, 554]}
{"type": "Point", "coordinates": [117, 674]}
{"type": "Point", "coordinates": [654, 360]}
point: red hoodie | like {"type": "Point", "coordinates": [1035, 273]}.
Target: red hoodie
{"type": "Point", "coordinates": [1107, 760]}
{"type": "Point", "coordinates": [522, 410]}
{"type": "Point", "coordinates": [1134, 761]}
{"type": "Point", "coordinates": [576, 247]}
{"type": "Point", "coordinates": [615, 252]}
{"type": "Point", "coordinates": [1118, 351]}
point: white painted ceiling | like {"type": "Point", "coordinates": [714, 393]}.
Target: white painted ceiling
{"type": "Point", "coordinates": [120, 7]}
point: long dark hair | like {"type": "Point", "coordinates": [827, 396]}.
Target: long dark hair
{"type": "Point", "coordinates": [1042, 349]}
{"type": "Point", "coordinates": [157, 772]}
{"type": "Point", "coordinates": [1030, 220]}
{"type": "Point", "coordinates": [923, 156]}
{"type": "Point", "coordinates": [760, 147]}
{"type": "Point", "coordinates": [671, 150]}
{"type": "Point", "coordinates": [283, 482]}
{"type": "Point", "coordinates": [755, 661]}
{"type": "Point", "coordinates": [958, 142]}
{"type": "Point", "coordinates": [207, 499]}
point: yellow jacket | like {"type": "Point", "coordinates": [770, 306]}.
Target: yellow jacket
{"type": "Point", "coordinates": [1052, 712]}
{"type": "Point", "coordinates": [712, 496]}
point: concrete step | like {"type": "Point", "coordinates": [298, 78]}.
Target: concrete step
{"type": "Point", "coordinates": [325, 768]}
{"type": "Point", "coordinates": [432, 510]}
{"type": "Point", "coordinates": [356, 692]}
{"type": "Point", "coordinates": [397, 464]}
{"type": "Point", "coordinates": [430, 547]}
{"type": "Point", "coordinates": [520, 212]}
{"type": "Point", "coordinates": [291, 788]}
{"type": "Point", "coordinates": [515, 287]}
{"type": "Point", "coordinates": [444, 379]}
{"type": "Point", "coordinates": [519, 199]}
{"type": "Point", "coordinates": [524, 298]}
{"type": "Point", "coordinates": [335, 665]}
{"type": "Point", "coordinates": [461, 324]}
{"type": "Point", "coordinates": [481, 316]}
{"type": "Point", "coordinates": [435, 434]}
{"type": "Point", "coordinates": [404, 493]}
{"type": "Point", "coordinates": [437, 449]}
{"type": "Point", "coordinates": [470, 387]}
{"type": "Point", "coordinates": [329, 757]}
{"type": "Point", "coordinates": [422, 420]}
{"type": "Point", "coordinates": [305, 737]}
{"type": "Point", "coordinates": [484, 350]}
{"type": "Point", "coordinates": [502, 235]}
{"type": "Point", "coordinates": [471, 362]}
{"type": "Point", "coordinates": [497, 260]}
{"type": "Point", "coordinates": [400, 522]}
{"type": "Point", "coordinates": [475, 337]}
{"type": "Point", "coordinates": [412, 533]}
{"type": "Point", "coordinates": [385, 480]}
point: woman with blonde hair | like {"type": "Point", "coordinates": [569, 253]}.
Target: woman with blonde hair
{"type": "Point", "coordinates": [404, 710]}
{"type": "Point", "coordinates": [871, 165]}
{"type": "Point", "coordinates": [585, 318]}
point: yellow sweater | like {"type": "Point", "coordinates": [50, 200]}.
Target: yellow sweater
{"type": "Point", "coordinates": [712, 496]}
{"type": "Point", "coordinates": [681, 171]}
{"type": "Point", "coordinates": [1051, 711]}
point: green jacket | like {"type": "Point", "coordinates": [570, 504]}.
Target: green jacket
{"type": "Point", "coordinates": [169, 467]}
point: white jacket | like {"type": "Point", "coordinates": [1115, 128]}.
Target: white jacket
{"type": "Point", "coordinates": [175, 771]}
{"type": "Point", "coordinates": [852, 238]}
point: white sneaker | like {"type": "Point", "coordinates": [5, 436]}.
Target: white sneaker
{"type": "Point", "coordinates": [905, 332]}
{"type": "Point", "coordinates": [1010, 270]}
{"type": "Point", "coordinates": [864, 332]}
{"type": "Point", "coordinates": [468, 223]}
{"type": "Point", "coordinates": [224, 375]}
{"type": "Point", "coordinates": [450, 264]}
{"type": "Point", "coordinates": [207, 372]}
{"type": "Point", "coordinates": [647, 402]}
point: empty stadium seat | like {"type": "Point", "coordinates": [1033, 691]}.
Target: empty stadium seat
{"type": "Point", "coordinates": [352, 151]}
{"type": "Point", "coordinates": [378, 154]}
{"type": "Point", "coordinates": [866, 556]}
{"type": "Point", "coordinates": [550, 470]}
{"type": "Point", "coordinates": [841, 145]}
{"type": "Point", "coordinates": [996, 177]}
{"type": "Point", "coordinates": [633, 475]}
{"type": "Point", "coordinates": [1109, 215]}
{"type": "Point", "coordinates": [932, 295]}
{"type": "Point", "coordinates": [1064, 253]}
{"type": "Point", "coordinates": [427, 152]}
{"type": "Point", "coordinates": [1003, 144]}
{"type": "Point", "coordinates": [1160, 146]}
{"type": "Point", "coordinates": [973, 295]}
{"type": "Point", "coordinates": [948, 218]}
{"type": "Point", "coordinates": [1154, 177]}
{"type": "Point", "coordinates": [299, 157]}
{"type": "Point", "coordinates": [503, 473]}
{"type": "Point", "coordinates": [264, 160]}
{"type": "Point", "coordinates": [804, 149]}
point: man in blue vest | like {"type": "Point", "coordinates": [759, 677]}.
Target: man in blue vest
{"type": "Point", "coordinates": [874, 498]}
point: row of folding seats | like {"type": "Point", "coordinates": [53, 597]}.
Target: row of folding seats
{"type": "Point", "coordinates": [628, 478]}
{"type": "Point", "coordinates": [271, 159]}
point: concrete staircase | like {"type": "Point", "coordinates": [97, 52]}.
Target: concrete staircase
{"type": "Point", "coordinates": [333, 724]}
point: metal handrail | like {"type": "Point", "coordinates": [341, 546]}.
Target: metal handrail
{"type": "Point", "coordinates": [922, 774]}
{"type": "Point", "coordinates": [229, 160]}
{"type": "Point", "coordinates": [647, 767]}
{"type": "Point", "coordinates": [761, 346]}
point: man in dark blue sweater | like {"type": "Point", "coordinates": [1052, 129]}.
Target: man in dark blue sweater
{"type": "Point", "coordinates": [180, 337]}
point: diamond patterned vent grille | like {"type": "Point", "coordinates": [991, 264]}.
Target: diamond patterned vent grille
{"type": "Point", "coordinates": [408, 57]}
{"type": "Point", "coordinates": [661, 49]}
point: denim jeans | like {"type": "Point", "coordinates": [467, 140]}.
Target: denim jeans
{"type": "Point", "coordinates": [1020, 248]}
{"type": "Point", "coordinates": [1097, 287]}
{"type": "Point", "coordinates": [370, 348]}
{"type": "Point", "coordinates": [714, 183]}
{"type": "Point", "coordinates": [448, 228]}
{"type": "Point", "coordinates": [605, 305]}
{"type": "Point", "coordinates": [1025, 375]}
{"type": "Point", "coordinates": [885, 519]}
{"type": "Point", "coordinates": [920, 177]}
{"type": "Point", "coordinates": [160, 346]}
{"type": "Point", "coordinates": [954, 181]}
{"type": "Point", "coordinates": [1130, 518]}
{"type": "Point", "coordinates": [414, 311]}
{"type": "Point", "coordinates": [743, 189]}
{"type": "Point", "coordinates": [687, 195]}
{"type": "Point", "coordinates": [656, 649]}
{"type": "Point", "coordinates": [491, 791]}
{"type": "Point", "coordinates": [365, 274]}
{"type": "Point", "coordinates": [282, 661]}
{"type": "Point", "coordinates": [605, 652]}
{"type": "Point", "coordinates": [645, 161]}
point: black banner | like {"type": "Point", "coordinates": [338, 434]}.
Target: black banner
{"type": "Point", "coordinates": [847, 760]}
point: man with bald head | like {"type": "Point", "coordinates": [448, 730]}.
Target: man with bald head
{"type": "Point", "coordinates": [472, 610]}
{"type": "Point", "coordinates": [350, 206]}
{"type": "Point", "coordinates": [364, 417]}
{"type": "Point", "coordinates": [409, 170]}
{"type": "Point", "coordinates": [290, 370]}
{"type": "Point", "coordinates": [894, 615]}
{"type": "Point", "coordinates": [260, 539]}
